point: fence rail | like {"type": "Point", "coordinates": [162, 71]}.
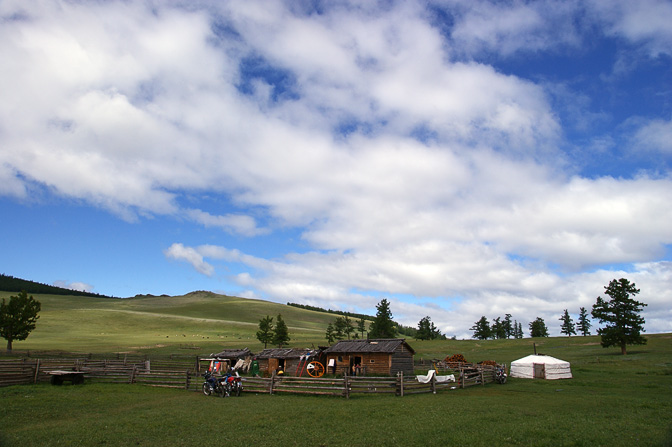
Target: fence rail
{"type": "Point", "coordinates": [183, 374]}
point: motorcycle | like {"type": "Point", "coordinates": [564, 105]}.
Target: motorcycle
{"type": "Point", "coordinates": [500, 376]}
{"type": "Point", "coordinates": [213, 384]}
{"type": "Point", "coordinates": [234, 383]}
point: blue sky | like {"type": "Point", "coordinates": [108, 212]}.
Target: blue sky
{"type": "Point", "coordinates": [460, 158]}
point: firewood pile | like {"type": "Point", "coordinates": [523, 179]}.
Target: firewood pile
{"type": "Point", "coordinates": [455, 360]}
{"type": "Point", "coordinates": [488, 363]}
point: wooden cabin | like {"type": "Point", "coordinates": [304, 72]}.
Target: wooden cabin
{"type": "Point", "coordinates": [370, 357]}
{"type": "Point", "coordinates": [290, 360]}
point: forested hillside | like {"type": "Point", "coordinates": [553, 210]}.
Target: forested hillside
{"type": "Point", "coordinates": [12, 284]}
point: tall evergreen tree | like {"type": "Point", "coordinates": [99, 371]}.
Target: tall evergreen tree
{"type": "Point", "coordinates": [621, 313]}
{"type": "Point", "coordinates": [508, 326]}
{"type": "Point", "coordinates": [361, 326]}
{"type": "Point", "coordinates": [538, 328]}
{"type": "Point", "coordinates": [281, 333]}
{"type": "Point", "coordinates": [497, 330]}
{"type": "Point", "coordinates": [567, 326]}
{"type": "Point", "coordinates": [427, 330]}
{"type": "Point", "coordinates": [265, 332]}
{"type": "Point", "coordinates": [520, 331]}
{"type": "Point", "coordinates": [481, 329]}
{"type": "Point", "coordinates": [383, 326]}
{"type": "Point", "coordinates": [18, 317]}
{"type": "Point", "coordinates": [330, 334]}
{"type": "Point", "coordinates": [583, 324]}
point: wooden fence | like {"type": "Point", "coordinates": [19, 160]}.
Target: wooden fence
{"type": "Point", "coordinates": [163, 373]}
{"type": "Point", "coordinates": [184, 374]}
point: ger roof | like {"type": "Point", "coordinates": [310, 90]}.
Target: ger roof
{"type": "Point", "coordinates": [384, 345]}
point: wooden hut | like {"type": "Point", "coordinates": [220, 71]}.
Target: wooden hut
{"type": "Point", "coordinates": [288, 360]}
{"type": "Point", "coordinates": [378, 356]}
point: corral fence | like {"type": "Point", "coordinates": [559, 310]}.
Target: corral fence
{"type": "Point", "coordinates": [170, 373]}
{"type": "Point", "coordinates": [185, 373]}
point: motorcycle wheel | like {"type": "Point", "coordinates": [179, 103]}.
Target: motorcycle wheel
{"type": "Point", "coordinates": [206, 389]}
{"type": "Point", "coordinates": [238, 390]}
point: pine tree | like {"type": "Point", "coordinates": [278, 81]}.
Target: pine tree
{"type": "Point", "coordinates": [481, 329]}
{"type": "Point", "coordinates": [508, 327]}
{"type": "Point", "coordinates": [520, 331]}
{"type": "Point", "coordinates": [265, 332]}
{"type": "Point", "coordinates": [281, 334]}
{"type": "Point", "coordinates": [330, 335]}
{"type": "Point", "coordinates": [361, 326]}
{"type": "Point", "coordinates": [497, 329]}
{"type": "Point", "coordinates": [383, 326]}
{"type": "Point", "coordinates": [621, 313]}
{"type": "Point", "coordinates": [583, 324]}
{"type": "Point", "coordinates": [427, 330]}
{"type": "Point", "coordinates": [538, 328]}
{"type": "Point", "coordinates": [18, 317]}
{"type": "Point", "coordinates": [567, 326]}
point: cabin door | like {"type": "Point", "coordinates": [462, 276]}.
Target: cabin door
{"type": "Point", "coordinates": [539, 371]}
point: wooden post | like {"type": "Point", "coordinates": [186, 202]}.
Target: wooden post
{"type": "Point", "coordinates": [272, 382]}
{"type": "Point", "coordinates": [186, 386]}
{"type": "Point", "coordinates": [482, 379]}
{"type": "Point", "coordinates": [347, 386]}
{"type": "Point", "coordinates": [401, 383]}
{"type": "Point", "coordinates": [37, 371]}
{"type": "Point", "coordinates": [433, 384]}
{"type": "Point", "coordinates": [132, 378]}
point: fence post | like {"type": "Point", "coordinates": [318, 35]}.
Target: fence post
{"type": "Point", "coordinates": [482, 378]}
{"type": "Point", "coordinates": [186, 386]}
{"type": "Point", "coordinates": [433, 383]}
{"type": "Point", "coordinates": [401, 383]}
{"type": "Point", "coordinates": [272, 382]}
{"type": "Point", "coordinates": [346, 383]}
{"type": "Point", "coordinates": [37, 371]}
{"type": "Point", "coordinates": [132, 378]}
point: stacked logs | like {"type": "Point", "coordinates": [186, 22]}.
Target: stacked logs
{"type": "Point", "coordinates": [455, 360]}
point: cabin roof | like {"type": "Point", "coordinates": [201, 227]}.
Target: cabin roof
{"type": "Point", "coordinates": [232, 354]}
{"type": "Point", "coordinates": [282, 353]}
{"type": "Point", "coordinates": [384, 345]}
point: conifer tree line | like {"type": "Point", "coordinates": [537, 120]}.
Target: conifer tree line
{"type": "Point", "coordinates": [620, 313]}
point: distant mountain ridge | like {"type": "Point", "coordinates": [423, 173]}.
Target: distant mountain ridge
{"type": "Point", "coordinates": [11, 284]}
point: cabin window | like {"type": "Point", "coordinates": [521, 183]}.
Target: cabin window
{"type": "Point", "coordinates": [340, 358]}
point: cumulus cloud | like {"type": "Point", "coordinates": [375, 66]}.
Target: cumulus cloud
{"type": "Point", "coordinates": [190, 255]}
{"type": "Point", "coordinates": [409, 165]}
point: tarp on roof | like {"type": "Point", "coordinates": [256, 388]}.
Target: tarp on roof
{"type": "Point", "coordinates": [541, 367]}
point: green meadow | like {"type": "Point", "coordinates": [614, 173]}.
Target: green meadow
{"type": "Point", "coordinates": [612, 400]}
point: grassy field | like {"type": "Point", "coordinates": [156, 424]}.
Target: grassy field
{"type": "Point", "coordinates": [197, 322]}
{"type": "Point", "coordinates": [612, 400]}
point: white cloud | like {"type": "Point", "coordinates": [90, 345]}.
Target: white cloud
{"type": "Point", "coordinates": [181, 253]}
{"type": "Point", "coordinates": [138, 108]}
{"type": "Point", "coordinates": [79, 286]}
{"type": "Point", "coordinates": [644, 22]}
{"type": "Point", "coordinates": [655, 136]}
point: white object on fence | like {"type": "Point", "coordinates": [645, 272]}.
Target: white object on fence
{"type": "Point", "coordinates": [439, 379]}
